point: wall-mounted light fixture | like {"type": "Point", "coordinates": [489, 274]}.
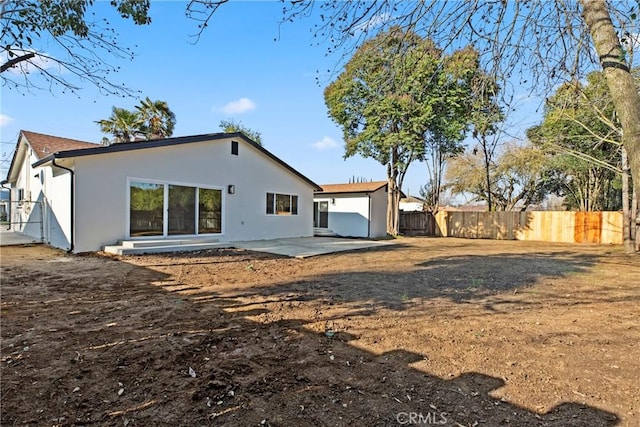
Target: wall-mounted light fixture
{"type": "Point", "coordinates": [231, 189]}
{"type": "Point", "coordinates": [333, 201]}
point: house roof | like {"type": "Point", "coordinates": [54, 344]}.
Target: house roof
{"type": "Point", "coordinates": [356, 187]}
{"type": "Point", "coordinates": [412, 199]}
{"type": "Point", "coordinates": [94, 149]}
{"type": "Point", "coordinates": [44, 145]}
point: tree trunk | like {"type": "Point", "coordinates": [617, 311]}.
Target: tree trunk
{"type": "Point", "coordinates": [635, 225]}
{"type": "Point", "coordinates": [627, 218]}
{"type": "Point", "coordinates": [392, 202]}
{"type": "Point", "coordinates": [619, 81]}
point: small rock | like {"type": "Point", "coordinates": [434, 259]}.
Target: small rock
{"type": "Point", "coordinates": [77, 389]}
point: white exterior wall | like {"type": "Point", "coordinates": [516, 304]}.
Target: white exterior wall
{"type": "Point", "coordinates": [57, 207]}
{"type": "Point", "coordinates": [27, 217]}
{"type": "Point", "coordinates": [101, 216]}
{"type": "Point", "coordinates": [357, 214]}
{"type": "Point", "coordinates": [411, 207]}
{"type": "Point", "coordinates": [379, 203]}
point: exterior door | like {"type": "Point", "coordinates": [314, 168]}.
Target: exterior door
{"type": "Point", "coordinates": [321, 214]}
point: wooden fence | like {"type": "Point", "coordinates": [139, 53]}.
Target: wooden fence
{"type": "Point", "coordinates": [568, 227]}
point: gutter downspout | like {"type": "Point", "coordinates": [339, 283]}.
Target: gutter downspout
{"type": "Point", "coordinates": [72, 213]}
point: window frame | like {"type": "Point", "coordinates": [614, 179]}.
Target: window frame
{"type": "Point", "coordinates": [165, 234]}
{"type": "Point", "coordinates": [271, 204]}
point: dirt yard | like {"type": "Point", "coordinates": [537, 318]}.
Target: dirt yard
{"type": "Point", "coordinates": [429, 332]}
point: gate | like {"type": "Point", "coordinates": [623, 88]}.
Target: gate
{"type": "Point", "coordinates": [26, 217]}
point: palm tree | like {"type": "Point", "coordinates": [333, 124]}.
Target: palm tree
{"type": "Point", "coordinates": [123, 124]}
{"type": "Point", "coordinates": [157, 119]}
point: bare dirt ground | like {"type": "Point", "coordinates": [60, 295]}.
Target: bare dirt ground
{"type": "Point", "coordinates": [430, 332]}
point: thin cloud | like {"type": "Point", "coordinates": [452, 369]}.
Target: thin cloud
{"type": "Point", "coordinates": [5, 120]}
{"type": "Point", "coordinates": [325, 143]}
{"type": "Point", "coordinates": [374, 22]}
{"type": "Point", "coordinates": [239, 106]}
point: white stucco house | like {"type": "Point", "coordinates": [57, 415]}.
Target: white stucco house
{"type": "Point", "coordinates": [412, 204]}
{"type": "Point", "coordinates": [217, 187]}
{"type": "Point", "coordinates": [351, 210]}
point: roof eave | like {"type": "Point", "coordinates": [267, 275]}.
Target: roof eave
{"type": "Point", "coordinates": [115, 148]}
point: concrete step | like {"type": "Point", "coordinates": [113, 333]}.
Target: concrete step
{"type": "Point", "coordinates": [324, 232]}
{"type": "Point", "coordinates": [166, 242]}
{"type": "Point", "coordinates": [122, 250]}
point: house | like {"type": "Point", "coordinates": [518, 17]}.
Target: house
{"type": "Point", "coordinates": [5, 207]}
{"type": "Point", "coordinates": [354, 210]}
{"type": "Point", "coordinates": [412, 204]}
{"type": "Point", "coordinates": [218, 187]}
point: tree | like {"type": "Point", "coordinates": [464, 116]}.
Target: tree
{"type": "Point", "coordinates": [149, 120]}
{"type": "Point", "coordinates": [123, 125]}
{"type": "Point", "coordinates": [518, 177]}
{"type": "Point", "coordinates": [397, 92]}
{"type": "Point", "coordinates": [231, 126]}
{"type": "Point", "coordinates": [541, 43]}
{"type": "Point", "coordinates": [584, 150]}
{"type": "Point", "coordinates": [47, 43]}
{"type": "Point", "coordinates": [158, 121]}
{"type": "Point", "coordinates": [486, 116]}
{"type": "Point", "coordinates": [581, 130]}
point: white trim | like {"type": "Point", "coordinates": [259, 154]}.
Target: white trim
{"type": "Point", "coordinates": [275, 193]}
{"type": "Point", "coordinates": [165, 208]}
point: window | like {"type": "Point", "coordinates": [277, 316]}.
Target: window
{"type": "Point", "coordinates": [209, 211]}
{"type": "Point", "coordinates": [234, 148]}
{"type": "Point", "coordinates": [270, 203]}
{"type": "Point", "coordinates": [163, 209]}
{"type": "Point", "coordinates": [182, 210]}
{"type": "Point", "coordinates": [282, 204]}
{"type": "Point", "coordinates": [146, 205]}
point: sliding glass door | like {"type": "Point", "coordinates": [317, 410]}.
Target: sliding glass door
{"type": "Point", "coordinates": [182, 210]}
{"type": "Point", "coordinates": [146, 209]}
{"type": "Point", "coordinates": [164, 209]}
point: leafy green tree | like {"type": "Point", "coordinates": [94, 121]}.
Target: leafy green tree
{"type": "Point", "coordinates": [519, 177]}
{"type": "Point", "coordinates": [581, 132]}
{"type": "Point", "coordinates": [158, 121]}
{"type": "Point", "coordinates": [123, 125]}
{"type": "Point", "coordinates": [45, 43]}
{"type": "Point", "coordinates": [486, 118]}
{"type": "Point", "coordinates": [231, 126]}
{"type": "Point", "coordinates": [397, 94]}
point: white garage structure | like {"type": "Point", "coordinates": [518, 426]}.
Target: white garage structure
{"type": "Point", "coordinates": [351, 210]}
{"type": "Point", "coordinates": [210, 188]}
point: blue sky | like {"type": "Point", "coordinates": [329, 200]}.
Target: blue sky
{"type": "Point", "coordinates": [235, 71]}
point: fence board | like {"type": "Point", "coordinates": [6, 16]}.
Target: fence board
{"type": "Point", "coordinates": [547, 226]}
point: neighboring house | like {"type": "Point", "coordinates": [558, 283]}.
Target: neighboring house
{"type": "Point", "coordinates": [219, 186]}
{"type": "Point", "coordinates": [412, 204]}
{"type": "Point", "coordinates": [5, 208]}
{"type": "Point", "coordinates": [351, 210]}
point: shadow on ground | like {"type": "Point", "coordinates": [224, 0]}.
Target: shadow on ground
{"type": "Point", "coordinates": [95, 341]}
{"type": "Point", "coordinates": [461, 280]}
